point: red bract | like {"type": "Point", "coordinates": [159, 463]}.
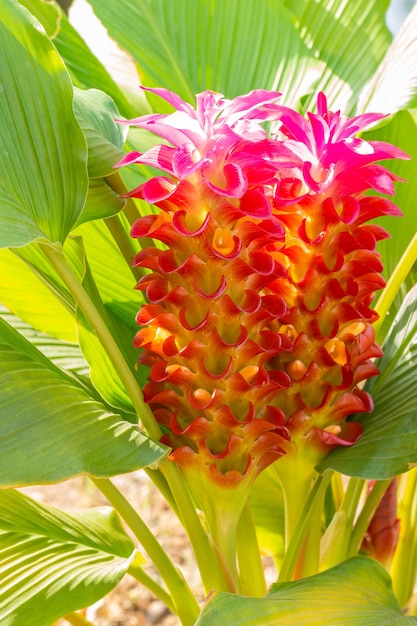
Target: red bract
{"type": "Point", "coordinates": [258, 327]}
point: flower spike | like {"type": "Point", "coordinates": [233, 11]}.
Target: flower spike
{"type": "Point", "coordinates": [258, 324]}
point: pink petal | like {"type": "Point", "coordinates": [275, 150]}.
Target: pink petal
{"type": "Point", "coordinates": [235, 181]}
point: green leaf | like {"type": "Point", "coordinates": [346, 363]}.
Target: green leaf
{"type": "Point", "coordinates": [28, 297]}
{"type": "Point", "coordinates": [64, 354]}
{"type": "Point", "coordinates": [216, 45]}
{"type": "Point", "coordinates": [397, 68]}
{"type": "Point", "coordinates": [101, 202]}
{"type": "Point", "coordinates": [388, 444]}
{"type": "Point", "coordinates": [355, 593]}
{"type": "Point", "coordinates": [51, 429]}
{"type": "Point", "coordinates": [43, 179]}
{"type": "Point", "coordinates": [349, 38]}
{"type": "Point", "coordinates": [48, 13]}
{"type": "Point", "coordinates": [53, 562]}
{"type": "Point", "coordinates": [96, 113]}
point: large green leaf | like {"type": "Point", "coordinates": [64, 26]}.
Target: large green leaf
{"type": "Point", "coordinates": [51, 429]}
{"type": "Point", "coordinates": [215, 45]}
{"type": "Point", "coordinates": [53, 562]}
{"type": "Point", "coordinates": [43, 178]}
{"type": "Point", "coordinates": [355, 593]}
{"type": "Point", "coordinates": [349, 38]}
{"type": "Point", "coordinates": [388, 444]}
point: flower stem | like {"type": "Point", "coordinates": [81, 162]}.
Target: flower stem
{"type": "Point", "coordinates": [130, 209]}
{"type": "Point", "coordinates": [251, 572]}
{"type": "Point", "coordinates": [394, 283]}
{"type": "Point", "coordinates": [290, 559]}
{"type": "Point", "coordinates": [208, 563]}
{"type": "Point", "coordinates": [365, 516]}
{"type": "Point", "coordinates": [339, 535]}
{"type": "Point", "coordinates": [184, 603]}
{"type": "Point", "coordinates": [124, 242]}
{"type": "Point", "coordinates": [404, 563]}
{"type": "Point", "coordinates": [139, 574]}
{"type": "Point", "coordinates": [83, 300]}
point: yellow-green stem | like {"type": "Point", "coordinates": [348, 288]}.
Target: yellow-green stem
{"type": "Point", "coordinates": [130, 209]}
{"type": "Point", "coordinates": [394, 283]}
{"type": "Point", "coordinates": [403, 566]}
{"type": "Point", "coordinates": [339, 539]}
{"type": "Point", "coordinates": [304, 520]}
{"type": "Point", "coordinates": [251, 573]}
{"type": "Point", "coordinates": [208, 563]}
{"type": "Point", "coordinates": [124, 243]}
{"type": "Point", "coordinates": [139, 574]}
{"type": "Point", "coordinates": [184, 603]}
{"type": "Point", "coordinates": [365, 516]}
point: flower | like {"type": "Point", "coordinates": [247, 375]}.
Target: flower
{"type": "Point", "coordinates": [258, 324]}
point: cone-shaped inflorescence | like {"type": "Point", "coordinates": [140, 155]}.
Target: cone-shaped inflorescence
{"type": "Point", "coordinates": [258, 327]}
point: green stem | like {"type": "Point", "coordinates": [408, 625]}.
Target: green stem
{"type": "Point", "coordinates": [130, 209]}
{"type": "Point", "coordinates": [207, 559]}
{"type": "Point", "coordinates": [346, 517]}
{"type": "Point", "coordinates": [304, 520]}
{"type": "Point", "coordinates": [184, 603]}
{"type": "Point", "coordinates": [139, 574]}
{"type": "Point", "coordinates": [395, 281]}
{"type": "Point", "coordinates": [124, 243]}
{"type": "Point", "coordinates": [83, 300]}
{"type": "Point", "coordinates": [309, 564]}
{"type": "Point", "coordinates": [403, 567]}
{"type": "Point", "coordinates": [77, 619]}
{"type": "Point", "coordinates": [365, 516]}
{"type": "Point", "coordinates": [162, 485]}
{"type": "Point", "coordinates": [251, 571]}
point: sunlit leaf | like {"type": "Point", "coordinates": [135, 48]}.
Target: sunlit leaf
{"type": "Point", "coordinates": [355, 593]}
{"type": "Point", "coordinates": [397, 68]}
{"type": "Point", "coordinates": [259, 45]}
{"type": "Point", "coordinates": [53, 562]}
{"type": "Point", "coordinates": [349, 38]}
{"type": "Point", "coordinates": [43, 178]}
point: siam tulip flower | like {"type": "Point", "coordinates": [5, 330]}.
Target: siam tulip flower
{"type": "Point", "coordinates": [258, 324]}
